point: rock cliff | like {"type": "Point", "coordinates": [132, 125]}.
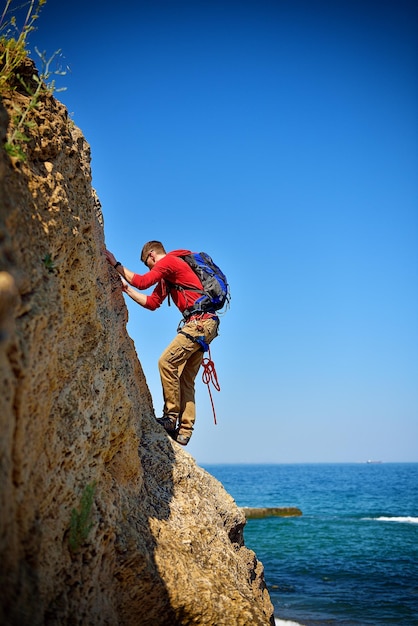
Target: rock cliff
{"type": "Point", "coordinates": [104, 520]}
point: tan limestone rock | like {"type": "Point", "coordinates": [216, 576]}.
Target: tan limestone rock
{"type": "Point", "coordinates": [104, 520]}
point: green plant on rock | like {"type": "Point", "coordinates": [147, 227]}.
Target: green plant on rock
{"type": "Point", "coordinates": [49, 263]}
{"type": "Point", "coordinates": [13, 41]}
{"type": "Point", "coordinates": [81, 522]}
{"type": "Point", "coordinates": [13, 52]}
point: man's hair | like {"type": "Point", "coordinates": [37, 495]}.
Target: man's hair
{"type": "Point", "coordinates": [150, 246]}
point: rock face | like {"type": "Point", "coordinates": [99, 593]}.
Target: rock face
{"type": "Point", "coordinates": [104, 520]}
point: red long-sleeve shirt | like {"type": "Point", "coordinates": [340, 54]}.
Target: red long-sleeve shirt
{"type": "Point", "coordinates": [175, 271]}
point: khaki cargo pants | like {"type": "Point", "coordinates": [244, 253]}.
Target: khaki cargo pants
{"type": "Point", "coordinates": [179, 365]}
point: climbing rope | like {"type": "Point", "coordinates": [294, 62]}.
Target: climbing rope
{"type": "Point", "coordinates": [209, 376]}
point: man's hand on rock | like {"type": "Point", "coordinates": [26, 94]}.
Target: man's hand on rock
{"type": "Point", "coordinates": [110, 257]}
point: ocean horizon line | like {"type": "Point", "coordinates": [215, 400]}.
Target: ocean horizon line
{"type": "Point", "coordinates": [270, 463]}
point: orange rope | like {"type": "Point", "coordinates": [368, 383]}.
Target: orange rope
{"type": "Point", "coordinates": [209, 376]}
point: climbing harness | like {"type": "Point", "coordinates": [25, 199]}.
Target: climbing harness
{"type": "Point", "coordinates": [200, 340]}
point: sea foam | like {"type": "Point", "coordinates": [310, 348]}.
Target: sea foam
{"type": "Point", "coordinates": [284, 622]}
{"type": "Point", "coordinates": [408, 520]}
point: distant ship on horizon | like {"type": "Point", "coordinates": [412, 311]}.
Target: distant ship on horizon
{"type": "Point", "coordinates": [373, 462]}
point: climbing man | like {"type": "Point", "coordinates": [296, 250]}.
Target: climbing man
{"type": "Point", "coordinates": [181, 360]}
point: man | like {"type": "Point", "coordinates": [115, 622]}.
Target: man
{"type": "Point", "coordinates": [180, 362]}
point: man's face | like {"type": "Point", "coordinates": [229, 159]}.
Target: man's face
{"type": "Point", "coordinates": [150, 260]}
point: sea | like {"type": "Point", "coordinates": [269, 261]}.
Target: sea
{"type": "Point", "coordinates": [351, 559]}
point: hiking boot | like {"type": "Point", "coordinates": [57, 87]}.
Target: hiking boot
{"type": "Point", "coordinates": [169, 423]}
{"type": "Point", "coordinates": [183, 439]}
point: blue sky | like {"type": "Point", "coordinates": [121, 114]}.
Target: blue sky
{"type": "Point", "coordinates": [280, 137]}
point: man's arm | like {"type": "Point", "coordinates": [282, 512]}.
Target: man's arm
{"type": "Point", "coordinates": [123, 271]}
{"type": "Point", "coordinates": [126, 276]}
{"type": "Point", "coordinates": [159, 293]}
{"type": "Point", "coordinates": [138, 297]}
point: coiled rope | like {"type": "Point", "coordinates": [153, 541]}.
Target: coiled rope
{"type": "Point", "coordinates": [209, 376]}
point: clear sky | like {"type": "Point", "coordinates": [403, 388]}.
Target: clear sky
{"type": "Point", "coordinates": [280, 137]}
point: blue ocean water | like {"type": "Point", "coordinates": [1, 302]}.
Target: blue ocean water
{"type": "Point", "coordinates": [352, 558]}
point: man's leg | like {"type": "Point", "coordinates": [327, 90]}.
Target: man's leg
{"type": "Point", "coordinates": [170, 364]}
{"type": "Point", "coordinates": [209, 329]}
{"type": "Point", "coordinates": [187, 393]}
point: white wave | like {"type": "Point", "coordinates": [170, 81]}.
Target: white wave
{"type": "Point", "coordinates": [285, 622]}
{"type": "Point", "coordinates": [408, 520]}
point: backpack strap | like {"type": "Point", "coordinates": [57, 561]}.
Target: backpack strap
{"type": "Point", "coordinates": [184, 287]}
{"type": "Point", "coordinates": [197, 307]}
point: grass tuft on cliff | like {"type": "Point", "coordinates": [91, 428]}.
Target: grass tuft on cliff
{"type": "Point", "coordinates": [14, 60]}
{"type": "Point", "coordinates": [81, 522]}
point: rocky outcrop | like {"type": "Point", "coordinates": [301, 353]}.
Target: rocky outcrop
{"type": "Point", "coordinates": [271, 511]}
{"type": "Point", "coordinates": [104, 519]}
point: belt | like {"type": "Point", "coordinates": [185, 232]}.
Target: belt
{"type": "Point", "coordinates": [202, 316]}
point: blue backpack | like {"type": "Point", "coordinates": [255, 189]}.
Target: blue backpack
{"type": "Point", "coordinates": [216, 294]}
